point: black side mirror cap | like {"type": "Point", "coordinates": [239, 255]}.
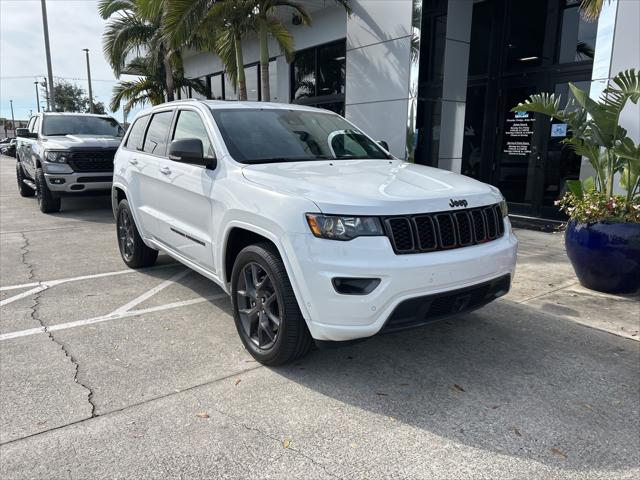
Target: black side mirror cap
{"type": "Point", "coordinates": [22, 133]}
{"type": "Point", "coordinates": [189, 150]}
{"type": "Point", "coordinates": [383, 144]}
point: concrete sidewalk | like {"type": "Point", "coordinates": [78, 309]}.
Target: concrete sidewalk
{"type": "Point", "coordinates": [545, 280]}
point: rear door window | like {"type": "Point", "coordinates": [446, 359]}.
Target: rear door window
{"type": "Point", "coordinates": [155, 141]}
{"type": "Point", "coordinates": [136, 136]}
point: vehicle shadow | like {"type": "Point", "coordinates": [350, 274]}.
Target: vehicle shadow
{"type": "Point", "coordinates": [94, 208]}
{"type": "Point", "coordinates": [505, 379]}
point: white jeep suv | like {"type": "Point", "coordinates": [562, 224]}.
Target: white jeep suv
{"type": "Point", "coordinates": [313, 228]}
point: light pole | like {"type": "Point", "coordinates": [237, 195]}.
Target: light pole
{"type": "Point", "coordinates": [46, 92]}
{"type": "Point", "coordinates": [45, 27]}
{"type": "Point", "coordinates": [37, 96]}
{"type": "Point", "coordinates": [13, 120]}
{"type": "Point", "coordinates": [86, 50]}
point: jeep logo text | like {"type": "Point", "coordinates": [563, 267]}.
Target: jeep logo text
{"type": "Point", "coordinates": [457, 203]}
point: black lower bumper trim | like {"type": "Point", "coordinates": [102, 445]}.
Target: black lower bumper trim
{"type": "Point", "coordinates": [418, 311]}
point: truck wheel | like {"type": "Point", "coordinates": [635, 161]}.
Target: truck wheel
{"type": "Point", "coordinates": [24, 189]}
{"type": "Point", "coordinates": [46, 201]}
{"type": "Point", "coordinates": [265, 309]}
{"type": "Point", "coordinates": [134, 252]}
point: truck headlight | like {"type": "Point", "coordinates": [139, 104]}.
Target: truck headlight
{"type": "Point", "coordinates": [57, 156]}
{"type": "Point", "coordinates": [503, 208]}
{"type": "Point", "coordinates": [335, 227]}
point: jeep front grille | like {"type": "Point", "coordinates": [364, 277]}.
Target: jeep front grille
{"type": "Point", "coordinates": [444, 230]}
{"type": "Point", "coordinates": [92, 160]}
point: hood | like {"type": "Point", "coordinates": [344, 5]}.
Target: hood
{"type": "Point", "coordinates": [81, 141]}
{"type": "Point", "coordinates": [373, 187]}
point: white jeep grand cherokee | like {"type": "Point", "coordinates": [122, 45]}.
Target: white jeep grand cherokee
{"type": "Point", "coordinates": [315, 231]}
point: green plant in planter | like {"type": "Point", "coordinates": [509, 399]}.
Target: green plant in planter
{"type": "Point", "coordinates": [595, 133]}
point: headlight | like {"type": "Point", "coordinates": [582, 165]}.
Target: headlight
{"type": "Point", "coordinates": [343, 228]}
{"type": "Point", "coordinates": [57, 157]}
{"type": "Point", "coordinates": [503, 208]}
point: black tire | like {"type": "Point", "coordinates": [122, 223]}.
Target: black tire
{"type": "Point", "coordinates": [134, 252]}
{"type": "Point", "coordinates": [292, 339]}
{"type": "Point", "coordinates": [24, 189]}
{"type": "Point", "coordinates": [46, 201]}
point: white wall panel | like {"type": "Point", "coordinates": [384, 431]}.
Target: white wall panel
{"type": "Point", "coordinates": [374, 21]}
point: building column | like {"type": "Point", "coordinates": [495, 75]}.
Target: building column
{"type": "Point", "coordinates": [454, 88]}
{"type": "Point", "coordinates": [378, 70]}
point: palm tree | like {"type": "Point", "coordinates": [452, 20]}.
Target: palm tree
{"type": "Point", "coordinates": [135, 27]}
{"type": "Point", "coordinates": [150, 87]}
{"type": "Point", "coordinates": [591, 9]}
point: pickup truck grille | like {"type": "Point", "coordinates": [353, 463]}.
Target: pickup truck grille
{"type": "Point", "coordinates": [444, 230]}
{"type": "Point", "coordinates": [92, 160]}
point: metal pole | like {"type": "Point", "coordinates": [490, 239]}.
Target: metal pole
{"type": "Point", "coordinates": [13, 120]}
{"type": "Point", "coordinates": [45, 26]}
{"type": "Point", "coordinates": [86, 50]}
{"type": "Point", "coordinates": [46, 91]}
{"type": "Point", "coordinates": [37, 96]}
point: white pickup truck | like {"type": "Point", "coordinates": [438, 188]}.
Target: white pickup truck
{"type": "Point", "coordinates": [62, 154]}
{"type": "Point", "coordinates": [313, 228]}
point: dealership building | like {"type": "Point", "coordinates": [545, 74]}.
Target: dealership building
{"type": "Point", "coordinates": [436, 79]}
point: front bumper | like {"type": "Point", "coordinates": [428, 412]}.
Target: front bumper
{"type": "Point", "coordinates": [78, 182]}
{"type": "Point", "coordinates": [337, 317]}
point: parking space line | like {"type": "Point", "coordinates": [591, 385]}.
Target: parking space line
{"type": "Point", "coordinates": [150, 293]}
{"type": "Point", "coordinates": [112, 316]}
{"type": "Point", "coordinates": [52, 283]}
{"type": "Point", "coordinates": [33, 291]}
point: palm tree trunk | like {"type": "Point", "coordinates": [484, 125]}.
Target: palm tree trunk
{"type": "Point", "coordinates": [168, 76]}
{"type": "Point", "coordinates": [264, 62]}
{"type": "Point", "coordinates": [242, 83]}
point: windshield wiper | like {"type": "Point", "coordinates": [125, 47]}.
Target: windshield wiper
{"type": "Point", "coordinates": [256, 161]}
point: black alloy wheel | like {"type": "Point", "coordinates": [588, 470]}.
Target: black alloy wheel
{"type": "Point", "coordinates": [134, 252]}
{"type": "Point", "coordinates": [126, 239]}
{"type": "Point", "coordinates": [258, 306]}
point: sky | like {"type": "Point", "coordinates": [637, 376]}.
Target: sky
{"type": "Point", "coordinates": [73, 25]}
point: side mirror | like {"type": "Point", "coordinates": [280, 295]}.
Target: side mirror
{"type": "Point", "coordinates": [383, 144]}
{"type": "Point", "coordinates": [189, 150]}
{"type": "Point", "coordinates": [22, 133]}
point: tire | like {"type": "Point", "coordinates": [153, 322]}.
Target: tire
{"type": "Point", "coordinates": [46, 201]}
{"type": "Point", "coordinates": [254, 312]}
{"type": "Point", "coordinates": [24, 189]}
{"type": "Point", "coordinates": [134, 252]}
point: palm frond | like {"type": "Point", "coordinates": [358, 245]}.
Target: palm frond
{"type": "Point", "coordinates": [282, 36]}
{"type": "Point", "coordinates": [106, 8]}
{"type": "Point", "coordinates": [591, 9]}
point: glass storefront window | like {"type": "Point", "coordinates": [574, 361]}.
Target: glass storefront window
{"type": "Point", "coordinates": [480, 38]}
{"type": "Point", "coordinates": [331, 69]}
{"type": "Point", "coordinates": [525, 41]}
{"type": "Point", "coordinates": [473, 125]}
{"type": "Point", "coordinates": [251, 75]}
{"type": "Point", "coordinates": [230, 92]}
{"type": "Point", "coordinates": [304, 75]}
{"type": "Point", "coordinates": [577, 37]}
{"type": "Point", "coordinates": [216, 86]}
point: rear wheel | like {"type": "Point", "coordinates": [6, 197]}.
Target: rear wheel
{"type": "Point", "coordinates": [134, 252]}
{"type": "Point", "coordinates": [265, 309]}
{"type": "Point", "coordinates": [24, 189]}
{"type": "Point", "coordinates": [46, 201]}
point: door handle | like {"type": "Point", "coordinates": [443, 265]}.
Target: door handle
{"type": "Point", "coordinates": [165, 170]}
{"type": "Point", "coordinates": [133, 161]}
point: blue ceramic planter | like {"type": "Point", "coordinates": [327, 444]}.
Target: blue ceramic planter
{"type": "Point", "coordinates": [605, 256]}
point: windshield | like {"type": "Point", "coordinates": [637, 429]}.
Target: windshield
{"type": "Point", "coordinates": [80, 125]}
{"type": "Point", "coordinates": [274, 135]}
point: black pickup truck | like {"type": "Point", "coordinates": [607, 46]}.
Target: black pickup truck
{"type": "Point", "coordinates": [61, 154]}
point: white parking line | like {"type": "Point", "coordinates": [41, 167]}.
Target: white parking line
{"type": "Point", "coordinates": [151, 293]}
{"type": "Point", "coordinates": [33, 291]}
{"type": "Point", "coordinates": [51, 283]}
{"type": "Point", "coordinates": [106, 318]}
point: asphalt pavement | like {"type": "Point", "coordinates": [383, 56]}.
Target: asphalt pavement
{"type": "Point", "coordinates": [107, 372]}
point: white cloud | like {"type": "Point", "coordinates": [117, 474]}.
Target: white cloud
{"type": "Point", "coordinates": [73, 25]}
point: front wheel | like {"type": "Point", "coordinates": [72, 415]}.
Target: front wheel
{"type": "Point", "coordinates": [265, 309]}
{"type": "Point", "coordinates": [24, 189]}
{"type": "Point", "coordinates": [134, 252]}
{"type": "Point", "coordinates": [46, 201]}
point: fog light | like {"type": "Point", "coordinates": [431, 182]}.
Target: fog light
{"type": "Point", "coordinates": [355, 286]}
{"type": "Point", "coordinates": [57, 180]}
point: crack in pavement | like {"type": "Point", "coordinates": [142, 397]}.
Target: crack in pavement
{"type": "Point", "coordinates": [35, 316]}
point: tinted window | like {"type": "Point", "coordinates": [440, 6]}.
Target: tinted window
{"type": "Point", "coordinates": [80, 125]}
{"type": "Point", "coordinates": [526, 34]}
{"type": "Point", "coordinates": [136, 136]}
{"type": "Point", "coordinates": [229, 88]}
{"type": "Point", "coordinates": [304, 74]}
{"type": "Point", "coordinates": [278, 135]}
{"type": "Point", "coordinates": [189, 125]}
{"type": "Point", "coordinates": [331, 69]}
{"type": "Point", "coordinates": [156, 140]}
{"type": "Point", "coordinates": [577, 38]}
{"type": "Point", "coordinates": [216, 87]}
